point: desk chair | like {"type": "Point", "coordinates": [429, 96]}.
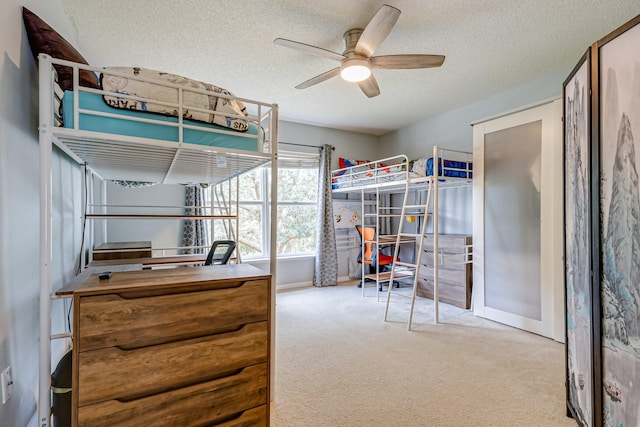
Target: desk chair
{"type": "Point", "coordinates": [220, 252]}
{"type": "Point", "coordinates": [370, 256]}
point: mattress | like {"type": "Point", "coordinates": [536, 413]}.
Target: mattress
{"type": "Point", "coordinates": [360, 173]}
{"type": "Point", "coordinates": [94, 102]}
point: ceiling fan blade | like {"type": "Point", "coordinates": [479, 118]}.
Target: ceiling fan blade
{"type": "Point", "coordinates": [307, 48]}
{"type": "Point", "coordinates": [370, 87]}
{"type": "Point", "coordinates": [319, 78]}
{"type": "Point", "coordinates": [406, 62]}
{"type": "Point", "coordinates": [377, 30]}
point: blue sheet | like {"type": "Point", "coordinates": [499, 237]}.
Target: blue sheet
{"type": "Point", "coordinates": [94, 102]}
{"type": "Point", "coordinates": [452, 168]}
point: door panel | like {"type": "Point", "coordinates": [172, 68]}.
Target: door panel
{"type": "Point", "coordinates": [517, 229]}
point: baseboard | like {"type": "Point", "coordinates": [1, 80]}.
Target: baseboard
{"type": "Point", "coordinates": [290, 286]}
{"type": "Point", "coordinates": [300, 285]}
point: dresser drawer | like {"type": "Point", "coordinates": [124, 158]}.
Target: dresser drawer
{"type": "Point", "coordinates": [201, 404]}
{"type": "Point", "coordinates": [448, 275]}
{"type": "Point", "coordinates": [451, 261]}
{"type": "Point", "coordinates": [255, 417]}
{"type": "Point", "coordinates": [129, 322]}
{"type": "Point", "coordinates": [453, 294]}
{"type": "Point", "coordinates": [452, 243]}
{"type": "Point", "coordinates": [115, 373]}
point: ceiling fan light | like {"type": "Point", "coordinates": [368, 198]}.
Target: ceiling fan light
{"type": "Point", "coordinates": [355, 70]}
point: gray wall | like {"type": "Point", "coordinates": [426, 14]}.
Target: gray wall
{"type": "Point", "coordinates": [350, 145]}
{"type": "Point", "coordinates": [162, 233]}
{"type": "Point", "coordinates": [167, 233]}
{"type": "Point", "coordinates": [19, 211]}
{"type": "Point", "coordinates": [19, 194]}
{"type": "Point", "coordinates": [453, 130]}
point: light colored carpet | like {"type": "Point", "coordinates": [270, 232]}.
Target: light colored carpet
{"type": "Point", "coordinates": [339, 364]}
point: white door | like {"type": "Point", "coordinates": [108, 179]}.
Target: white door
{"type": "Point", "coordinates": [517, 226]}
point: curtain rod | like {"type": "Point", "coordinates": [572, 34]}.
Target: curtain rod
{"type": "Point", "coordinates": [305, 145]}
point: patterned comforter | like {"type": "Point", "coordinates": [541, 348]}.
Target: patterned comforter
{"type": "Point", "coordinates": [232, 112]}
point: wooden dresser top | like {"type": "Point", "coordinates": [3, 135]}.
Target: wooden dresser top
{"type": "Point", "coordinates": [139, 280]}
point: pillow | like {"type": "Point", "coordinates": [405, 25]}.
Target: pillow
{"type": "Point", "coordinates": [347, 163]}
{"type": "Point", "coordinates": [44, 39]}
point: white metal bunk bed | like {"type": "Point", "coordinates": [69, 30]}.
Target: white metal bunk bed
{"type": "Point", "coordinates": [113, 156]}
{"type": "Point", "coordinates": [445, 169]}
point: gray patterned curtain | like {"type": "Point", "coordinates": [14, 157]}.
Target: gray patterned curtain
{"type": "Point", "coordinates": [195, 231]}
{"type": "Point", "coordinates": [326, 271]}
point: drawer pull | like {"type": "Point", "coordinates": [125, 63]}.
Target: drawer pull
{"type": "Point", "coordinates": [196, 287]}
{"type": "Point", "coordinates": [229, 330]}
{"type": "Point", "coordinates": [218, 376]}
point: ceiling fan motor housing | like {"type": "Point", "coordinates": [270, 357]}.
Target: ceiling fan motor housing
{"type": "Point", "coordinates": [351, 38]}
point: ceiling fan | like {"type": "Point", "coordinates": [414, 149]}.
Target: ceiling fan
{"type": "Point", "coordinates": [356, 62]}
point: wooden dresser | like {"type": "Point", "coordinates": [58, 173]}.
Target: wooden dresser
{"type": "Point", "coordinates": [454, 277]}
{"type": "Point", "coordinates": [173, 347]}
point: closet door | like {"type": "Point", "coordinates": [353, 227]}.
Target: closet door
{"type": "Point", "coordinates": [517, 229]}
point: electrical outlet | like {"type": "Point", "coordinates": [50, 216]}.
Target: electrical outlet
{"type": "Point", "coordinates": [7, 384]}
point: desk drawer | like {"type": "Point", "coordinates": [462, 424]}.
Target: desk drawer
{"type": "Point", "coordinates": [201, 404]}
{"type": "Point", "coordinates": [118, 320]}
{"type": "Point", "coordinates": [114, 373]}
{"type": "Point", "coordinates": [122, 250]}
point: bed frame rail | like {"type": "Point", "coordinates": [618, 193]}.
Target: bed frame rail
{"type": "Point", "coordinates": [113, 156]}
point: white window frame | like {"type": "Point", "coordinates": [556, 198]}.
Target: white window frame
{"type": "Point", "coordinates": [305, 158]}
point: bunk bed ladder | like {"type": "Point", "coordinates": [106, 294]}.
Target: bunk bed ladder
{"type": "Point", "coordinates": [401, 269]}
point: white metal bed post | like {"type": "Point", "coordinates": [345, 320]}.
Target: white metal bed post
{"type": "Point", "coordinates": [273, 249]}
{"type": "Point", "coordinates": [273, 242]}
{"type": "Point", "coordinates": [362, 240]}
{"type": "Point", "coordinates": [105, 224]}
{"type": "Point", "coordinates": [436, 255]}
{"type": "Point", "coordinates": [46, 121]}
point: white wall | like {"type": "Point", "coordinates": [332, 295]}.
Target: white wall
{"type": "Point", "coordinates": [19, 210]}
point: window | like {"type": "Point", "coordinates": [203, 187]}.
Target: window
{"type": "Point", "coordinates": [296, 210]}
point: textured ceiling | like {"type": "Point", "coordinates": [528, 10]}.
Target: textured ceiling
{"type": "Point", "coordinates": [490, 45]}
